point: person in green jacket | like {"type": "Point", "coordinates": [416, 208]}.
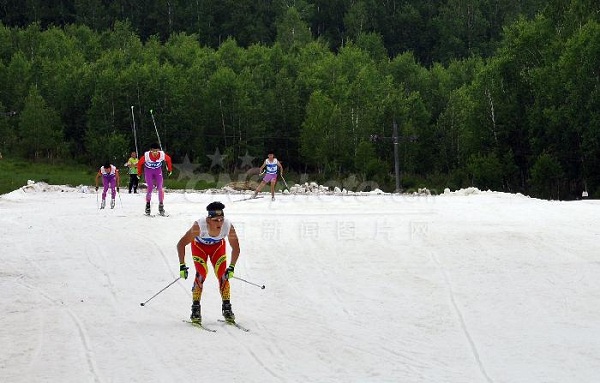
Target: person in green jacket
{"type": "Point", "coordinates": [133, 177]}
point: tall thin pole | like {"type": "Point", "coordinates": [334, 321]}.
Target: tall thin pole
{"type": "Point", "coordinates": [396, 160]}
{"type": "Point", "coordinates": [134, 131]}
{"type": "Point", "coordinates": [156, 129]}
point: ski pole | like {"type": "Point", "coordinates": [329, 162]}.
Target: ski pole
{"type": "Point", "coordinates": [250, 283]}
{"type": "Point", "coordinates": [155, 129]}
{"type": "Point", "coordinates": [134, 131]}
{"type": "Point", "coordinates": [285, 183]}
{"type": "Point", "coordinates": [164, 288]}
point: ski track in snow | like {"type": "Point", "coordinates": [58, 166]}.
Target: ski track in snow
{"type": "Point", "coordinates": [81, 331]}
{"type": "Point", "coordinates": [461, 319]}
{"type": "Point", "coordinates": [101, 251]}
{"type": "Point", "coordinates": [263, 364]}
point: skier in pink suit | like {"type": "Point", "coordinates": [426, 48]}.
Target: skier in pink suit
{"type": "Point", "coordinates": [151, 163]}
{"type": "Point", "coordinates": [110, 180]}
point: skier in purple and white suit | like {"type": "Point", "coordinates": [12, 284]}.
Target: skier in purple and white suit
{"type": "Point", "coordinates": [151, 163]}
{"type": "Point", "coordinates": [272, 165]}
{"type": "Point", "coordinates": [110, 180]}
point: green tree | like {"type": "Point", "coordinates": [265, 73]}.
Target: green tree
{"type": "Point", "coordinates": [546, 177]}
{"type": "Point", "coordinates": [8, 138]}
{"type": "Point", "coordinates": [328, 21]}
{"type": "Point", "coordinates": [486, 171]}
{"type": "Point", "coordinates": [92, 13]}
{"type": "Point", "coordinates": [462, 30]}
{"type": "Point", "coordinates": [40, 130]}
{"type": "Point", "coordinates": [292, 31]}
{"type": "Point", "coordinates": [15, 90]}
{"type": "Point", "coordinates": [362, 18]}
{"type": "Point", "coordinates": [372, 43]}
{"type": "Point", "coordinates": [105, 147]}
{"type": "Point", "coordinates": [456, 141]}
{"type": "Point", "coordinates": [579, 106]}
{"type": "Point", "coordinates": [319, 141]}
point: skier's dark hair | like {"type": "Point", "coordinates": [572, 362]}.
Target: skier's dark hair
{"type": "Point", "coordinates": [215, 209]}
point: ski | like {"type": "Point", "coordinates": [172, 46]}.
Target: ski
{"type": "Point", "coordinates": [249, 198]}
{"type": "Point", "coordinates": [156, 215]}
{"type": "Point", "coordinates": [200, 326]}
{"type": "Point", "coordinates": [234, 324]}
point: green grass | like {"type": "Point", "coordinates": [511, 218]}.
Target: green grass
{"type": "Point", "coordinates": [15, 174]}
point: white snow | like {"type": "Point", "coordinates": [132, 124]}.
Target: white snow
{"type": "Point", "coordinates": [466, 286]}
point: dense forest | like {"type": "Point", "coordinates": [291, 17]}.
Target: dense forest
{"type": "Point", "coordinates": [497, 94]}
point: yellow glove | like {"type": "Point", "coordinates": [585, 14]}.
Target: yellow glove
{"type": "Point", "coordinates": [229, 272]}
{"type": "Point", "coordinates": [183, 271]}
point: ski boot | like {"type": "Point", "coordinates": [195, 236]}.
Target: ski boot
{"type": "Point", "coordinates": [227, 313]}
{"type": "Point", "coordinates": [196, 317]}
{"type": "Point", "coordinates": [112, 203]}
{"type": "Point", "coordinates": [103, 204]}
{"type": "Point", "coordinates": [147, 208]}
{"type": "Point", "coordinates": [161, 209]}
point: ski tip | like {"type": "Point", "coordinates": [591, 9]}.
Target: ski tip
{"type": "Point", "coordinates": [234, 324]}
{"type": "Point", "coordinates": [248, 199]}
{"type": "Point", "coordinates": [199, 325]}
